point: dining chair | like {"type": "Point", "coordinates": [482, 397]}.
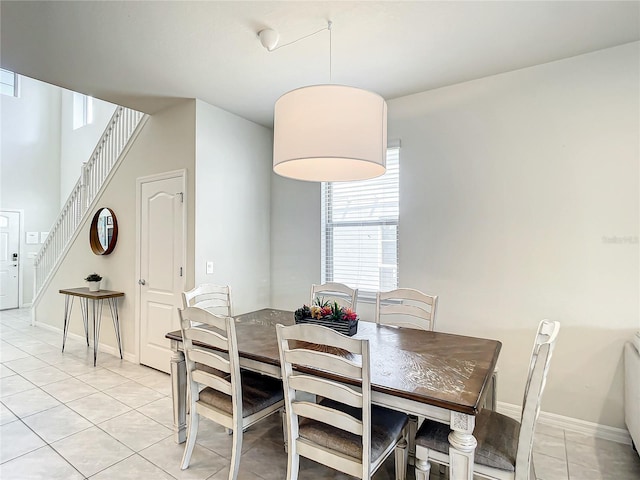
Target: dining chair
{"type": "Point", "coordinates": [215, 298]}
{"type": "Point", "coordinates": [335, 292]}
{"type": "Point", "coordinates": [235, 401]}
{"type": "Point", "coordinates": [504, 445]}
{"type": "Point", "coordinates": [342, 431]}
{"type": "Point", "coordinates": [406, 307]}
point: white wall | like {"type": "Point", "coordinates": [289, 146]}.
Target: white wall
{"type": "Point", "coordinates": [295, 241]}
{"type": "Point", "coordinates": [30, 163]}
{"type": "Point", "coordinates": [233, 169]}
{"type": "Point", "coordinates": [166, 143]}
{"type": "Point", "coordinates": [76, 146]}
{"type": "Point", "coordinates": [511, 188]}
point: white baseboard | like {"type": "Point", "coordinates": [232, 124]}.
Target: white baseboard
{"type": "Point", "coordinates": [102, 347]}
{"type": "Point", "coordinates": [619, 435]}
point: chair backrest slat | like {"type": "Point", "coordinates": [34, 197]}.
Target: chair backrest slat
{"type": "Point", "coordinates": [536, 380]}
{"type": "Point", "coordinates": [215, 298]}
{"type": "Point", "coordinates": [213, 360]}
{"type": "Point", "coordinates": [324, 361]}
{"type": "Point", "coordinates": [321, 387]}
{"type": "Point", "coordinates": [322, 336]}
{"type": "Point", "coordinates": [406, 307]}
{"type": "Point", "coordinates": [218, 383]}
{"type": "Point", "coordinates": [323, 414]}
{"type": "Point", "coordinates": [208, 337]}
{"type": "Point", "coordinates": [335, 292]}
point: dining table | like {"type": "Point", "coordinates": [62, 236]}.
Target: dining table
{"type": "Point", "coordinates": [441, 376]}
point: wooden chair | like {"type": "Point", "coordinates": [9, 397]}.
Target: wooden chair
{"type": "Point", "coordinates": [335, 292]}
{"type": "Point", "coordinates": [406, 307]}
{"type": "Point", "coordinates": [343, 431]}
{"type": "Point", "coordinates": [215, 298]}
{"type": "Point", "coordinates": [234, 401]}
{"type": "Point", "coordinates": [504, 445]}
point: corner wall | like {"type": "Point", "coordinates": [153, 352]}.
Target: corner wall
{"type": "Point", "coordinates": [233, 167]}
{"type": "Point", "coordinates": [519, 200]}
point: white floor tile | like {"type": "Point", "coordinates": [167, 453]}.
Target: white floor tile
{"type": "Point", "coordinates": [41, 464]}
{"type": "Point", "coordinates": [6, 416]}
{"type": "Point", "coordinates": [160, 410]}
{"type": "Point", "coordinates": [98, 407]}
{"type": "Point", "coordinates": [91, 450]}
{"type": "Point", "coordinates": [135, 430]}
{"type": "Point", "coordinates": [57, 423]}
{"type": "Point", "coordinates": [5, 371]}
{"type": "Point", "coordinates": [167, 455]}
{"type": "Point", "coordinates": [102, 379]}
{"type": "Point", "coordinates": [44, 376]}
{"type": "Point", "coordinates": [133, 394]}
{"type": "Point", "coordinates": [26, 364]}
{"type": "Point", "coordinates": [16, 439]}
{"type": "Point", "coordinates": [69, 390]}
{"type": "Point", "coordinates": [32, 401]}
{"type": "Point", "coordinates": [133, 468]}
{"type": "Point", "coordinates": [14, 384]}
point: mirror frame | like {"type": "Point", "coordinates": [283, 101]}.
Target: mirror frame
{"type": "Point", "coordinates": [94, 240]}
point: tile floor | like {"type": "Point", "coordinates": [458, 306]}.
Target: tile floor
{"type": "Point", "coordinates": [62, 418]}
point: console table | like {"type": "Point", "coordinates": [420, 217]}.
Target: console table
{"type": "Point", "coordinates": [97, 299]}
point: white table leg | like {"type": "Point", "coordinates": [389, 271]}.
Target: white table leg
{"type": "Point", "coordinates": [462, 446]}
{"type": "Point", "coordinates": [179, 393]}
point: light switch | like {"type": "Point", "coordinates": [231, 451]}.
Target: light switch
{"type": "Point", "coordinates": [209, 268]}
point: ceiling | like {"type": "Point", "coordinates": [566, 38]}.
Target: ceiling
{"type": "Point", "coordinates": [145, 55]}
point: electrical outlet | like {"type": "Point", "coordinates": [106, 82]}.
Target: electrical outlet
{"type": "Point", "coordinates": [209, 268]}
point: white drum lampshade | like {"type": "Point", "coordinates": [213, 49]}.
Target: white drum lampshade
{"type": "Point", "coordinates": [330, 133]}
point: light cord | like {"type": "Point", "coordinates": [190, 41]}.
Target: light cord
{"type": "Point", "coordinates": [302, 38]}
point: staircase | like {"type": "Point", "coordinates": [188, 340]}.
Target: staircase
{"type": "Point", "coordinates": [118, 135]}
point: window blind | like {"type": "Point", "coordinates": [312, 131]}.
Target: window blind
{"type": "Point", "coordinates": [8, 83]}
{"type": "Point", "coordinates": [360, 230]}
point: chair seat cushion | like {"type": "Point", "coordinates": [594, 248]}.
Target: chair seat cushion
{"type": "Point", "coordinates": [497, 437]}
{"type": "Point", "coordinates": [386, 426]}
{"type": "Point", "coordinates": [258, 393]}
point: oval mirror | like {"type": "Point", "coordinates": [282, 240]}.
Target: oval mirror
{"type": "Point", "coordinates": [104, 232]}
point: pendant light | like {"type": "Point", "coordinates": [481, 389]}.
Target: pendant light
{"type": "Point", "coordinates": [328, 133]}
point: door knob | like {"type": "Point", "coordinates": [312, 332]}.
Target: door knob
{"type": "Point", "coordinates": [142, 282]}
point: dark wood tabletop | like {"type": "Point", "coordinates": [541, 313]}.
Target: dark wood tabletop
{"type": "Point", "coordinates": [85, 293]}
{"type": "Point", "coordinates": [441, 369]}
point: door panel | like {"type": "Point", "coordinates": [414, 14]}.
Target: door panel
{"type": "Point", "coordinates": [9, 260]}
{"type": "Point", "coordinates": [162, 244]}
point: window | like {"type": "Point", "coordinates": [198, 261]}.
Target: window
{"type": "Point", "coordinates": [360, 230]}
{"type": "Point", "coordinates": [8, 83]}
{"type": "Point", "coordinates": [82, 110]}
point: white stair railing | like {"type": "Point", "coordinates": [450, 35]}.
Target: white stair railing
{"type": "Point", "coordinates": [120, 129]}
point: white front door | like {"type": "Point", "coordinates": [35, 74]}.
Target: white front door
{"type": "Point", "coordinates": [9, 258]}
{"type": "Point", "coordinates": [162, 257]}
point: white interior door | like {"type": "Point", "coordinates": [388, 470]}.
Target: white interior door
{"type": "Point", "coordinates": [161, 255]}
{"type": "Point", "coordinates": [9, 259]}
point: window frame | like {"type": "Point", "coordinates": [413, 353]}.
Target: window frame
{"type": "Point", "coordinates": [15, 85]}
{"type": "Point", "coordinates": [328, 228]}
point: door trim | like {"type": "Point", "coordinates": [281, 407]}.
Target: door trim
{"type": "Point", "coordinates": [182, 173]}
{"type": "Point", "coordinates": [20, 213]}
